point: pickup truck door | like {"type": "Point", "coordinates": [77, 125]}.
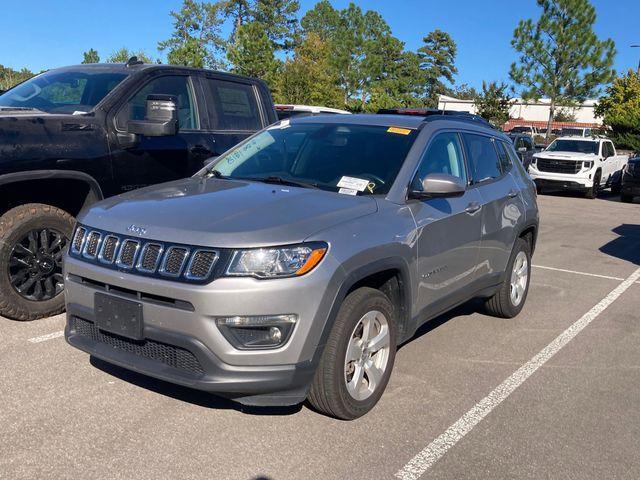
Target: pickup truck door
{"type": "Point", "coordinates": [139, 161]}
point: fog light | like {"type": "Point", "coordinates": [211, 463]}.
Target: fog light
{"type": "Point", "coordinates": [260, 331]}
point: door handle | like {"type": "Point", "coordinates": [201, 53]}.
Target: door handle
{"type": "Point", "coordinates": [472, 208]}
{"type": "Point", "coordinates": [513, 193]}
{"type": "Point", "coordinates": [200, 150]}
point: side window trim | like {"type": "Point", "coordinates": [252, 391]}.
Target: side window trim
{"type": "Point", "coordinates": [144, 83]}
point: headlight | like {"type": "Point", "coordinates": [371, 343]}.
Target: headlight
{"type": "Point", "coordinates": [587, 165]}
{"type": "Point", "coordinates": [277, 262]}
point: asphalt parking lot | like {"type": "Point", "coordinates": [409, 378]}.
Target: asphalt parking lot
{"type": "Point", "coordinates": [551, 394]}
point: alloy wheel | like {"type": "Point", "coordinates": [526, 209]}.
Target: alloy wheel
{"type": "Point", "coordinates": [519, 278]}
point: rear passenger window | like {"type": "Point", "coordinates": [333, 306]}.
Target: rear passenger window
{"type": "Point", "coordinates": [444, 155]}
{"type": "Point", "coordinates": [232, 106]}
{"type": "Point", "coordinates": [482, 156]}
{"type": "Point", "coordinates": [505, 162]}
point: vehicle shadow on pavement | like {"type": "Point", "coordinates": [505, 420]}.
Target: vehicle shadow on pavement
{"type": "Point", "coordinates": [627, 245]}
{"type": "Point", "coordinates": [185, 394]}
{"type": "Point", "coordinates": [475, 305]}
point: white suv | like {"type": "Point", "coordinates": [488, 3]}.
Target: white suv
{"type": "Point", "coordinates": [578, 163]}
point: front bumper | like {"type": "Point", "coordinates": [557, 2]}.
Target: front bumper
{"type": "Point", "coordinates": [569, 181]}
{"type": "Point", "coordinates": [182, 343]}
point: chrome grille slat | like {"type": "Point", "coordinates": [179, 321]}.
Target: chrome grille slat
{"type": "Point", "coordinates": [109, 248]}
{"type": "Point", "coordinates": [91, 244]}
{"type": "Point", "coordinates": [174, 261]}
{"type": "Point", "coordinates": [149, 257]}
{"type": "Point", "coordinates": [201, 264]}
{"type": "Point", "coordinates": [128, 253]}
{"type": "Point", "coordinates": [78, 239]}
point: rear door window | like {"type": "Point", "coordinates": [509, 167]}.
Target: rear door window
{"type": "Point", "coordinates": [482, 157]}
{"type": "Point", "coordinates": [505, 162]}
{"type": "Point", "coordinates": [232, 106]}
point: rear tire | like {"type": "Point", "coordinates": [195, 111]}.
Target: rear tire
{"type": "Point", "coordinates": [345, 389]}
{"type": "Point", "coordinates": [33, 239]}
{"type": "Point", "coordinates": [510, 299]}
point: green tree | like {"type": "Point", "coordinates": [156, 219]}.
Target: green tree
{"type": "Point", "coordinates": [437, 62]}
{"type": "Point", "coordinates": [308, 78]}
{"type": "Point", "coordinates": [252, 54]}
{"type": "Point", "coordinates": [620, 110]}
{"type": "Point", "coordinates": [560, 55]}
{"type": "Point", "coordinates": [280, 21]}
{"type": "Point", "coordinates": [91, 56]}
{"type": "Point", "coordinates": [123, 54]}
{"type": "Point", "coordinates": [493, 103]}
{"type": "Point", "coordinates": [463, 91]}
{"type": "Point", "coordinates": [10, 77]}
{"type": "Point", "coordinates": [240, 11]}
{"type": "Point", "coordinates": [322, 20]}
{"type": "Point", "coordinates": [196, 40]}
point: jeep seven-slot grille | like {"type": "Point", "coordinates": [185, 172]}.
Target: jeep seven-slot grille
{"type": "Point", "coordinates": [558, 166]}
{"type": "Point", "coordinates": [146, 257]}
{"type": "Point", "coordinates": [170, 355]}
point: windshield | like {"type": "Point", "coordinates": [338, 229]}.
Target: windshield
{"type": "Point", "coordinates": [579, 146]}
{"type": "Point", "coordinates": [321, 155]}
{"type": "Point", "coordinates": [62, 92]}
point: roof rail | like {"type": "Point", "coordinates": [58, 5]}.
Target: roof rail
{"type": "Point", "coordinates": [433, 113]}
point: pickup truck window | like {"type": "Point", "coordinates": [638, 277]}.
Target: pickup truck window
{"type": "Point", "coordinates": [179, 86]}
{"type": "Point", "coordinates": [580, 146]}
{"type": "Point", "coordinates": [232, 106]}
{"type": "Point", "coordinates": [62, 92]}
{"type": "Point", "coordinates": [607, 150]}
{"type": "Point", "coordinates": [483, 159]}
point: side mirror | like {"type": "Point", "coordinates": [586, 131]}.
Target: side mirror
{"type": "Point", "coordinates": [522, 149]}
{"type": "Point", "coordinates": [439, 185]}
{"type": "Point", "coordinates": [161, 117]}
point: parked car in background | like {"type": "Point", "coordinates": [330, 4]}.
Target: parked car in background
{"type": "Point", "coordinates": [75, 135]}
{"type": "Point", "coordinates": [631, 179]}
{"type": "Point", "coordinates": [576, 163]}
{"type": "Point", "coordinates": [524, 146]}
{"type": "Point", "coordinates": [526, 129]}
{"type": "Point", "coordinates": [289, 111]}
{"type": "Point", "coordinates": [576, 132]}
{"type": "Point", "coordinates": [267, 277]}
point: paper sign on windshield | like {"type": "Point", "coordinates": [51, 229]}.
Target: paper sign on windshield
{"type": "Point", "coordinates": [353, 183]}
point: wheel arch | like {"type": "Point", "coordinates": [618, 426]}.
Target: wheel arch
{"type": "Point", "coordinates": [69, 190]}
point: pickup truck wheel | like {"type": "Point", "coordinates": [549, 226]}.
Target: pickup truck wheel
{"type": "Point", "coordinates": [595, 189]}
{"type": "Point", "coordinates": [626, 198]}
{"type": "Point", "coordinates": [509, 300]}
{"type": "Point", "coordinates": [33, 240]}
{"type": "Point", "coordinates": [358, 358]}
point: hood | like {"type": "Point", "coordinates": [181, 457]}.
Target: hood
{"type": "Point", "coordinates": [33, 139]}
{"type": "Point", "coordinates": [226, 213]}
{"type": "Point", "coordinates": [565, 155]}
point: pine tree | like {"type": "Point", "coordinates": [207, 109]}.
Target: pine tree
{"type": "Point", "coordinates": [561, 57]}
{"type": "Point", "coordinates": [493, 103]}
{"type": "Point", "coordinates": [91, 56]}
{"type": "Point", "coordinates": [252, 54]}
{"type": "Point", "coordinates": [437, 62]}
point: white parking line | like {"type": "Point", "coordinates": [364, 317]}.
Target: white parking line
{"type": "Point", "coordinates": [437, 448]}
{"type": "Point", "coordinates": [578, 273]}
{"type": "Point", "coordinates": [48, 336]}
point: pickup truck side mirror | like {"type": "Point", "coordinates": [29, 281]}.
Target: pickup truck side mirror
{"type": "Point", "coordinates": [438, 185]}
{"type": "Point", "coordinates": [522, 149]}
{"type": "Point", "coordinates": [161, 117]}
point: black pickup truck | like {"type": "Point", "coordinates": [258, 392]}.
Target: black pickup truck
{"type": "Point", "coordinates": [72, 136]}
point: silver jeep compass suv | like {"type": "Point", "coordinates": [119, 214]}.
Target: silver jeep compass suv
{"type": "Point", "coordinates": [293, 266]}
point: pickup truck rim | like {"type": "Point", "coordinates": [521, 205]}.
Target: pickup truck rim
{"type": "Point", "coordinates": [35, 265]}
{"type": "Point", "coordinates": [367, 355]}
{"type": "Point", "coordinates": [519, 277]}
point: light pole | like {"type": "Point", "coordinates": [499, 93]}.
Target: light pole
{"type": "Point", "coordinates": [637, 46]}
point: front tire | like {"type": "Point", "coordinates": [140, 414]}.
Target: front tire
{"type": "Point", "coordinates": [33, 240]}
{"type": "Point", "coordinates": [509, 300]}
{"type": "Point", "coordinates": [592, 192]}
{"type": "Point", "coordinates": [358, 358]}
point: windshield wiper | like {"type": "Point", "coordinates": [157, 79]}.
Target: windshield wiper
{"type": "Point", "coordinates": [283, 181]}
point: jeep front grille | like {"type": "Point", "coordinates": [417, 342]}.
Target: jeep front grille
{"type": "Point", "coordinates": [184, 263]}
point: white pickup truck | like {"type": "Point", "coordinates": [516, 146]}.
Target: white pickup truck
{"type": "Point", "coordinates": [585, 164]}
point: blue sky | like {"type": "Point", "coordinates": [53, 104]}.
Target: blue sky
{"type": "Point", "coordinates": [42, 34]}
